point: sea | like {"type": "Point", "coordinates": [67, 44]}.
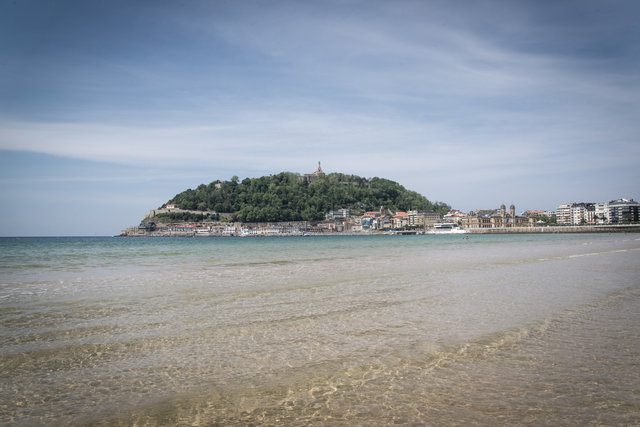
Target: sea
{"type": "Point", "coordinates": [322, 330]}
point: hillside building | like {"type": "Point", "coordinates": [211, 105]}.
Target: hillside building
{"type": "Point", "coordinates": [311, 177]}
{"type": "Point", "coordinates": [337, 214]}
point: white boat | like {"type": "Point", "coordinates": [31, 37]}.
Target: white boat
{"type": "Point", "coordinates": [447, 228]}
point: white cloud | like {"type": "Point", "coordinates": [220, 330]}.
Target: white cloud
{"type": "Point", "coordinates": [423, 93]}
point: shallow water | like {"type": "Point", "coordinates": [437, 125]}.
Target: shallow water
{"type": "Point", "coordinates": [368, 330]}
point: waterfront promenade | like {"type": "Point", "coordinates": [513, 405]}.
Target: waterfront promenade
{"type": "Point", "coordinates": [619, 228]}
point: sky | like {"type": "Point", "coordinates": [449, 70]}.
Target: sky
{"type": "Point", "coordinates": [109, 108]}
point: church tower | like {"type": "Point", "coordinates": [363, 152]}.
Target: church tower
{"type": "Point", "coordinates": [311, 177]}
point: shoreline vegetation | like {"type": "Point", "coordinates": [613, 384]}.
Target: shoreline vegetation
{"type": "Point", "coordinates": [289, 196]}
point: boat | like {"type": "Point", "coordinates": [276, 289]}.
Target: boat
{"type": "Point", "coordinates": [447, 228]}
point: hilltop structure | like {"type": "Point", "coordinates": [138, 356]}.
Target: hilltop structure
{"type": "Point", "coordinates": [311, 177]}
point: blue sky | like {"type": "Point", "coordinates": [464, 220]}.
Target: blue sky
{"type": "Point", "coordinates": [110, 108]}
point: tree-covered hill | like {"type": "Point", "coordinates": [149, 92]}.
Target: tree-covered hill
{"type": "Point", "coordinates": [287, 197]}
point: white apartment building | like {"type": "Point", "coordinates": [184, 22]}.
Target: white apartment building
{"type": "Point", "coordinates": [602, 213]}
{"type": "Point", "coordinates": [563, 214]}
{"type": "Point", "coordinates": [614, 212]}
{"type": "Point", "coordinates": [575, 214]}
{"type": "Point", "coordinates": [582, 213]}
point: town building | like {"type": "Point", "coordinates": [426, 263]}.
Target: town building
{"type": "Point", "coordinates": [454, 216]}
{"type": "Point", "coordinates": [619, 211]}
{"type": "Point", "coordinates": [582, 213]}
{"type": "Point", "coordinates": [423, 219]}
{"type": "Point", "coordinates": [496, 218]}
{"type": "Point", "coordinates": [563, 214]}
{"type": "Point", "coordinates": [400, 220]}
{"type": "Point", "coordinates": [534, 213]}
{"type": "Point", "coordinates": [376, 220]}
{"type": "Point", "coordinates": [602, 213]}
{"type": "Point", "coordinates": [623, 211]}
{"type": "Point", "coordinates": [337, 214]}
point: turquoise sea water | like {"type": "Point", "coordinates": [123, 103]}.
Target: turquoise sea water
{"type": "Point", "coordinates": [368, 330]}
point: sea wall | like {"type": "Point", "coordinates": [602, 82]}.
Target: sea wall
{"type": "Point", "coordinates": [626, 228]}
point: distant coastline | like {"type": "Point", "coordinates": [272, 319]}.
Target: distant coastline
{"type": "Point", "coordinates": [290, 204]}
{"type": "Point", "coordinates": [618, 228]}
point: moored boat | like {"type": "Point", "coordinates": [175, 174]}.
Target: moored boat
{"type": "Point", "coordinates": [447, 228]}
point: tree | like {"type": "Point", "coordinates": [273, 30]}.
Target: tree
{"type": "Point", "coordinates": [284, 197]}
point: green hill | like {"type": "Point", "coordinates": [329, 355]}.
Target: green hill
{"type": "Point", "coordinates": [290, 197]}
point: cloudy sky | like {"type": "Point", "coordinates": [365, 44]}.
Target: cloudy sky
{"type": "Point", "coordinates": [110, 108]}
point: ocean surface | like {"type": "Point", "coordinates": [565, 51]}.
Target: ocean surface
{"type": "Point", "coordinates": [367, 330]}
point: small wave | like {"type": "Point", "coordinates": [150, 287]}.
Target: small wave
{"type": "Point", "coordinates": [587, 254]}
